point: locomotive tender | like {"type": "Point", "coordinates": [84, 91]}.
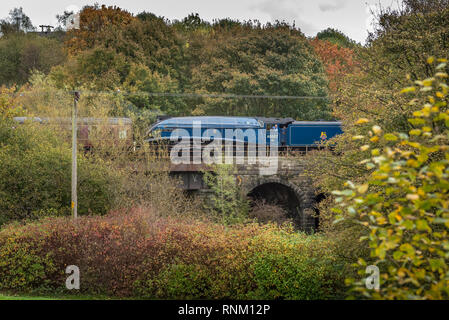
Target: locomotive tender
{"type": "Point", "coordinates": [287, 132]}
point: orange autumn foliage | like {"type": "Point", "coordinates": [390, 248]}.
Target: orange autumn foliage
{"type": "Point", "coordinates": [338, 61]}
{"type": "Point", "coordinates": [94, 21]}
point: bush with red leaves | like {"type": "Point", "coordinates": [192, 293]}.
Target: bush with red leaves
{"type": "Point", "coordinates": [140, 254]}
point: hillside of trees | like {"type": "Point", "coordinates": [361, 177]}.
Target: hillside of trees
{"type": "Point", "coordinates": [144, 54]}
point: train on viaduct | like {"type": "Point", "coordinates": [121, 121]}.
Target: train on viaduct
{"type": "Point", "coordinates": [289, 186]}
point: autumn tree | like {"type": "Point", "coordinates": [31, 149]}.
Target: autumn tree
{"type": "Point", "coordinates": [9, 106]}
{"type": "Point", "coordinates": [95, 21]}
{"type": "Point", "coordinates": [338, 61]}
{"type": "Point", "coordinates": [404, 38]}
{"type": "Point", "coordinates": [395, 51]}
{"type": "Point", "coordinates": [403, 203]}
{"type": "Point", "coordinates": [395, 54]}
{"type": "Point", "coordinates": [141, 56]}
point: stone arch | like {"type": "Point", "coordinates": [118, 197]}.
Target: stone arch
{"type": "Point", "coordinates": [296, 201]}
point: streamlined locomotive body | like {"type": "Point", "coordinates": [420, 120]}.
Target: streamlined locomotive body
{"type": "Point", "coordinates": [286, 132]}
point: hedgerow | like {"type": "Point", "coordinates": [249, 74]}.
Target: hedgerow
{"type": "Point", "coordinates": [141, 254]}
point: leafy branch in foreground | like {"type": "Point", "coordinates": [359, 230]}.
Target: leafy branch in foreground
{"type": "Point", "coordinates": [404, 205]}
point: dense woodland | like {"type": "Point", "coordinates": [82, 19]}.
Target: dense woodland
{"type": "Point", "coordinates": [385, 183]}
{"type": "Point", "coordinates": [114, 50]}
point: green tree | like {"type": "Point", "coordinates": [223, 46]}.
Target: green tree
{"type": "Point", "coordinates": [190, 23]}
{"type": "Point", "coordinates": [21, 54]}
{"type": "Point", "coordinates": [226, 204]}
{"type": "Point", "coordinates": [336, 37]}
{"type": "Point", "coordinates": [249, 59]}
{"type": "Point", "coordinates": [17, 21]}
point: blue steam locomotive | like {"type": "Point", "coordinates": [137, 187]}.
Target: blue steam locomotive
{"type": "Point", "coordinates": [285, 132]}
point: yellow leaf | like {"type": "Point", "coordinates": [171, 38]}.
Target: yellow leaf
{"type": "Point", "coordinates": [401, 272]}
{"type": "Point", "coordinates": [364, 148]}
{"type": "Point", "coordinates": [409, 89]}
{"type": "Point", "coordinates": [430, 60]}
{"type": "Point", "coordinates": [390, 137]}
{"type": "Point", "coordinates": [362, 189]}
{"type": "Point", "coordinates": [412, 197]}
{"type": "Point", "coordinates": [381, 220]}
{"type": "Point", "coordinates": [362, 121]}
{"type": "Point", "coordinates": [439, 94]}
{"type": "Point", "coordinates": [377, 130]}
{"type": "Point", "coordinates": [428, 82]}
{"type": "Point", "coordinates": [414, 144]}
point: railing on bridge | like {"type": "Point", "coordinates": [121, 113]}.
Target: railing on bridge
{"type": "Point", "coordinates": [163, 151]}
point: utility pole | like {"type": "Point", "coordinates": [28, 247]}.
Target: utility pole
{"type": "Point", "coordinates": [46, 29]}
{"type": "Point", "coordinates": [76, 97]}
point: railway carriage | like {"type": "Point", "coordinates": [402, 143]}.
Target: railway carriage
{"type": "Point", "coordinates": [91, 131]}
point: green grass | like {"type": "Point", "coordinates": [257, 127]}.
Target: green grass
{"type": "Point", "coordinates": [13, 296]}
{"type": "Point", "coordinates": [19, 297]}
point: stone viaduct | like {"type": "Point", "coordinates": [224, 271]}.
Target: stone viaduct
{"type": "Point", "coordinates": [289, 187]}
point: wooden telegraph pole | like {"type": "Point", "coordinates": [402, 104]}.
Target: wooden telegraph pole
{"type": "Point", "coordinates": [76, 96]}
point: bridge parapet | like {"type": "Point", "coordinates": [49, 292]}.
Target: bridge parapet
{"type": "Point", "coordinates": [284, 166]}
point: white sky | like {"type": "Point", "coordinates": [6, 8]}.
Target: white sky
{"type": "Point", "coordinates": [350, 16]}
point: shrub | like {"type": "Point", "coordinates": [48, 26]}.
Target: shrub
{"type": "Point", "coordinates": [403, 203]}
{"type": "Point", "coordinates": [27, 265]}
{"type": "Point", "coordinates": [8, 105]}
{"type": "Point", "coordinates": [295, 266]}
{"type": "Point", "coordinates": [226, 204]}
{"type": "Point", "coordinates": [182, 281]}
{"type": "Point", "coordinates": [265, 212]}
{"type": "Point", "coordinates": [35, 175]}
{"type": "Point", "coordinates": [142, 254]}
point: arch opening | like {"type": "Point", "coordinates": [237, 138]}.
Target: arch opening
{"type": "Point", "coordinates": [320, 197]}
{"type": "Point", "coordinates": [282, 196]}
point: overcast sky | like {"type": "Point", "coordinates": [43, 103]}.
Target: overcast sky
{"type": "Point", "coordinates": [350, 16]}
